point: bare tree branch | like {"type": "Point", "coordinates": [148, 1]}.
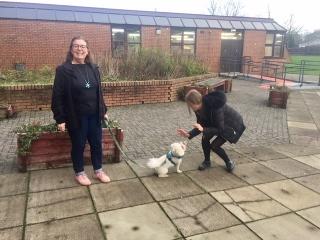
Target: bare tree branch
{"type": "Point", "coordinates": [228, 8]}
{"type": "Point", "coordinates": [213, 9]}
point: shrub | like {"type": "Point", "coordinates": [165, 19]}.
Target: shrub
{"type": "Point", "coordinates": [147, 64]}
{"type": "Point", "coordinates": [42, 75]}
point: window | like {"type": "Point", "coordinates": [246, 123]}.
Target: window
{"type": "Point", "coordinates": [274, 45]}
{"type": "Point", "coordinates": [183, 41]}
{"type": "Point", "coordinates": [125, 41]}
{"type": "Point", "coordinates": [231, 35]}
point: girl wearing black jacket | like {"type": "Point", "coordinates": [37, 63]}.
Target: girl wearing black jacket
{"type": "Point", "coordinates": [78, 106]}
{"type": "Point", "coordinates": [214, 118]}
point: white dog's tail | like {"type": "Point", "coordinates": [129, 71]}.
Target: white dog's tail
{"type": "Point", "coordinates": [155, 162]}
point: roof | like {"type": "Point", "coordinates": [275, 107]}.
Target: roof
{"type": "Point", "coordinates": [35, 11]}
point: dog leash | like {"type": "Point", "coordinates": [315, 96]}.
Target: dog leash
{"type": "Point", "coordinates": [127, 158]}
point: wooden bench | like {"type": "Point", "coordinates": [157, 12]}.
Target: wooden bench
{"type": "Point", "coordinates": [209, 85]}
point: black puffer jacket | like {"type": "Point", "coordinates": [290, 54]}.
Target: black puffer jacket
{"type": "Point", "coordinates": [218, 118]}
{"type": "Point", "coordinates": [62, 104]}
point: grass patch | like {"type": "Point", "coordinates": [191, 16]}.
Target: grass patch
{"type": "Point", "coordinates": [312, 66]}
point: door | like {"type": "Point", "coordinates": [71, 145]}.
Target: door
{"type": "Point", "coordinates": [231, 51]}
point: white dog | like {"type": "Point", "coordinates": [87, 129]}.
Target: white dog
{"type": "Point", "coordinates": [172, 158]}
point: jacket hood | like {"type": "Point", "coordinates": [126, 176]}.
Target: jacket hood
{"type": "Point", "coordinates": [214, 100]}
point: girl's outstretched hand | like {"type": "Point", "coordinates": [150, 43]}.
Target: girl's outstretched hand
{"type": "Point", "coordinates": [183, 133]}
{"type": "Point", "coordinates": [198, 126]}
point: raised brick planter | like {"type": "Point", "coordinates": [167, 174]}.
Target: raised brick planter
{"type": "Point", "coordinates": [38, 97]}
{"type": "Point", "coordinates": [53, 150]}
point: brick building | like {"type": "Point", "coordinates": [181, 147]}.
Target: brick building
{"type": "Point", "coordinates": [39, 34]}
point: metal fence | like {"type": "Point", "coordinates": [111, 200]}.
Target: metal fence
{"type": "Point", "coordinates": [305, 72]}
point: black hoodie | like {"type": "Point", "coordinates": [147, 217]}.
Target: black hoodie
{"type": "Point", "coordinates": [218, 118]}
{"type": "Point", "coordinates": [62, 104]}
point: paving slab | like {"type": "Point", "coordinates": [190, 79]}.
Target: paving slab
{"type": "Point", "coordinates": [240, 232]}
{"type": "Point", "coordinates": [12, 184]}
{"type": "Point", "coordinates": [312, 215]}
{"type": "Point", "coordinates": [141, 171]}
{"type": "Point", "coordinates": [12, 211]}
{"type": "Point", "coordinates": [136, 223]}
{"type": "Point", "coordinates": [305, 140]}
{"type": "Point", "coordinates": [311, 182]}
{"type": "Point", "coordinates": [215, 179]}
{"type": "Point", "coordinates": [291, 194]}
{"type": "Point", "coordinates": [255, 173]}
{"type": "Point", "coordinates": [52, 179]}
{"type": "Point", "coordinates": [290, 168]}
{"type": "Point", "coordinates": [11, 234]}
{"type": "Point", "coordinates": [57, 204]}
{"type": "Point", "coordinates": [84, 227]}
{"type": "Point", "coordinates": [303, 132]}
{"type": "Point", "coordinates": [119, 194]}
{"type": "Point", "coordinates": [116, 171]}
{"type": "Point", "coordinates": [192, 160]}
{"type": "Point", "coordinates": [286, 227]}
{"type": "Point", "coordinates": [198, 214]}
{"type": "Point", "coordinates": [293, 150]}
{"type": "Point", "coordinates": [261, 153]}
{"type": "Point", "coordinates": [249, 204]}
{"type": "Point", "coordinates": [312, 160]}
{"type": "Point", "coordinates": [235, 156]}
{"type": "Point", "coordinates": [303, 125]}
{"type": "Point", "coordinates": [174, 186]}
{"type": "Point", "coordinates": [296, 115]}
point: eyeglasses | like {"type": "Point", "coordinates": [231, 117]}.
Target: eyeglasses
{"type": "Point", "coordinates": [79, 46]}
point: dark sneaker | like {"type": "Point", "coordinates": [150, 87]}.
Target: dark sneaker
{"type": "Point", "coordinates": [230, 166]}
{"type": "Point", "coordinates": [204, 165]}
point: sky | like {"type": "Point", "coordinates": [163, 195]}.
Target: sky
{"type": "Point", "coordinates": [306, 12]}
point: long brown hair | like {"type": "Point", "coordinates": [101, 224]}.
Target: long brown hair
{"type": "Point", "coordinates": [69, 57]}
{"type": "Point", "coordinates": [193, 97]}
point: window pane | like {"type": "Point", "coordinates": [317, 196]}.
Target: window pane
{"type": "Point", "coordinates": [118, 49]}
{"type": "Point", "coordinates": [279, 39]}
{"type": "Point", "coordinates": [188, 49]}
{"type": "Point", "coordinates": [117, 34]}
{"type": "Point", "coordinates": [269, 38]}
{"type": "Point", "coordinates": [133, 48]}
{"type": "Point", "coordinates": [268, 51]}
{"type": "Point", "coordinates": [189, 37]}
{"type": "Point", "coordinates": [176, 49]}
{"type": "Point", "coordinates": [133, 36]}
{"type": "Point", "coordinates": [231, 35]}
{"type": "Point", "coordinates": [277, 51]}
{"type": "Point", "coordinates": [176, 36]}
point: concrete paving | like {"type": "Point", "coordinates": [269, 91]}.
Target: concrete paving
{"type": "Point", "coordinates": [273, 192]}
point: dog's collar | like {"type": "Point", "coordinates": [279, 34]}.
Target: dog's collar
{"type": "Point", "coordinates": [170, 156]}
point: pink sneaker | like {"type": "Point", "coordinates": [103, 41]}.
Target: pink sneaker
{"type": "Point", "coordinates": [102, 176]}
{"type": "Point", "coordinates": [83, 180]}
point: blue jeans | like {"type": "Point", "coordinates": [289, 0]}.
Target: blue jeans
{"type": "Point", "coordinates": [91, 130]}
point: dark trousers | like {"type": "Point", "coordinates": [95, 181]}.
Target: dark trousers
{"type": "Point", "coordinates": [215, 146]}
{"type": "Point", "coordinates": [91, 130]}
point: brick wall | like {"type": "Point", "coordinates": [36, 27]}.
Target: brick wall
{"type": "Point", "coordinates": [38, 43]}
{"type": "Point", "coordinates": [149, 38]}
{"type": "Point", "coordinates": [253, 44]}
{"type": "Point", "coordinates": [208, 47]}
{"type": "Point", "coordinates": [38, 97]}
